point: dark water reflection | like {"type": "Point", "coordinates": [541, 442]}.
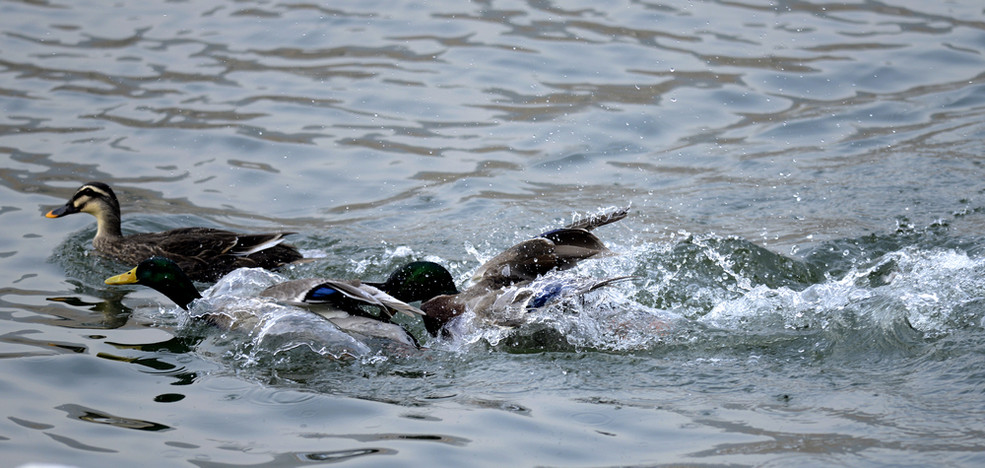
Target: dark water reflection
{"type": "Point", "coordinates": [806, 181]}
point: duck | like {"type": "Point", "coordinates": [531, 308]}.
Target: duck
{"type": "Point", "coordinates": [357, 308]}
{"type": "Point", "coordinates": [516, 281]}
{"type": "Point", "coordinates": [204, 254]}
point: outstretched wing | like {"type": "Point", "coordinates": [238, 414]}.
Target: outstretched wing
{"type": "Point", "coordinates": [342, 294]}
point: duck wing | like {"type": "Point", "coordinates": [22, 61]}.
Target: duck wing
{"type": "Point", "coordinates": [345, 295]}
{"type": "Point", "coordinates": [293, 292]}
{"type": "Point", "coordinates": [522, 262]}
{"type": "Point", "coordinates": [209, 242]}
{"type": "Point", "coordinates": [559, 249]}
{"type": "Point", "coordinates": [189, 242]}
{"type": "Point", "coordinates": [205, 254]}
{"type": "Point", "coordinates": [375, 329]}
{"type": "Point", "coordinates": [574, 245]}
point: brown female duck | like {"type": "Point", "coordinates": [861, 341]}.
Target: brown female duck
{"type": "Point", "coordinates": [205, 254]}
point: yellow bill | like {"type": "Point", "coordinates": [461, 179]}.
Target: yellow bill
{"type": "Point", "coordinates": [129, 277]}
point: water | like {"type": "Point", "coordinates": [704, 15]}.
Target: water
{"type": "Point", "coordinates": [806, 186]}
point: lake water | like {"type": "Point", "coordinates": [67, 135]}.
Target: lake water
{"type": "Point", "coordinates": [807, 199]}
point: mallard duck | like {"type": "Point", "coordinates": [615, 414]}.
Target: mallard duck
{"type": "Point", "coordinates": [344, 303]}
{"type": "Point", "coordinates": [205, 254]}
{"type": "Point", "coordinates": [504, 287]}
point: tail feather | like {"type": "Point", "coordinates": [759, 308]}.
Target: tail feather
{"type": "Point", "coordinates": [607, 217]}
{"type": "Point", "coordinates": [253, 243]}
{"type": "Point", "coordinates": [608, 282]}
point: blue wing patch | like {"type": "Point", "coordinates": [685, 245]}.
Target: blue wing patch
{"type": "Point", "coordinates": [547, 294]}
{"type": "Point", "coordinates": [322, 293]}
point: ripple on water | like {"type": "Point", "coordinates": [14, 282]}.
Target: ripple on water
{"type": "Point", "coordinates": [806, 184]}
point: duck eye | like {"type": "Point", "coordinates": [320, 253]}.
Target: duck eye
{"type": "Point", "coordinates": [84, 195]}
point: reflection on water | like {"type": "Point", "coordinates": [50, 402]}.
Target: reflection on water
{"type": "Point", "coordinates": [807, 190]}
{"type": "Point", "coordinates": [94, 416]}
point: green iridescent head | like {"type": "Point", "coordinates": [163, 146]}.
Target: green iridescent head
{"type": "Point", "coordinates": [162, 275]}
{"type": "Point", "coordinates": [419, 281]}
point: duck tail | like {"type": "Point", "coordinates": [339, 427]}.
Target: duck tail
{"type": "Point", "coordinates": [609, 282]}
{"type": "Point", "coordinates": [608, 216]}
{"type": "Point", "coordinates": [250, 244]}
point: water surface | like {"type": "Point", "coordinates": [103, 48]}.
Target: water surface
{"type": "Point", "coordinates": [806, 186]}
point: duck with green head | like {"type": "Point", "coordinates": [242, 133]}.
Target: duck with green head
{"type": "Point", "coordinates": [360, 309]}
{"type": "Point", "coordinates": [205, 254]}
{"type": "Point", "coordinates": [504, 288]}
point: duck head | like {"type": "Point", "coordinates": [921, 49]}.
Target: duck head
{"type": "Point", "coordinates": [162, 275]}
{"type": "Point", "coordinates": [97, 199]}
{"type": "Point", "coordinates": [426, 282]}
{"type": "Point", "coordinates": [93, 198]}
{"type": "Point", "coordinates": [419, 281]}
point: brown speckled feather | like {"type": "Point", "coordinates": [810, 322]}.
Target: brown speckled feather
{"type": "Point", "coordinates": [205, 254]}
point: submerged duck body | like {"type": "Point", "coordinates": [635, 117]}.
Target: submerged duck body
{"type": "Point", "coordinates": [357, 308]}
{"type": "Point", "coordinates": [204, 254]}
{"type": "Point", "coordinates": [508, 285]}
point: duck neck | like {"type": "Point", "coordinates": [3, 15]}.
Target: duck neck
{"type": "Point", "coordinates": [107, 224]}
{"type": "Point", "coordinates": [439, 310]}
{"type": "Point", "coordinates": [182, 294]}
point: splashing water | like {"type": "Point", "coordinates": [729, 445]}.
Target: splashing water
{"type": "Point", "coordinates": [684, 291]}
{"type": "Point", "coordinates": [271, 328]}
{"type": "Point", "coordinates": [745, 291]}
